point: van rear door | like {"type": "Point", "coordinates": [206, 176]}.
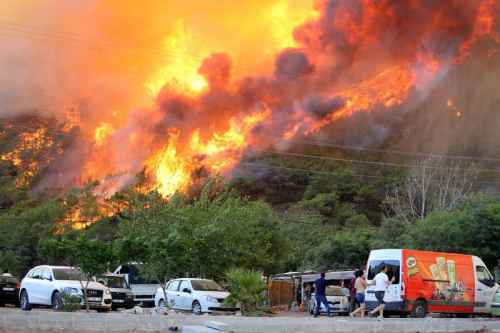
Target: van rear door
{"type": "Point", "coordinates": [391, 259]}
{"type": "Point", "coordinates": [485, 287]}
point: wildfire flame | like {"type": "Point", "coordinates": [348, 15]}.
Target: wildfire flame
{"type": "Point", "coordinates": [182, 69]}
{"type": "Point", "coordinates": [216, 85]}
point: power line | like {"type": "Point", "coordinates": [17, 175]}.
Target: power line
{"type": "Point", "coordinates": [397, 152]}
{"type": "Point", "coordinates": [20, 31]}
{"type": "Point", "coordinates": [372, 163]}
{"type": "Point", "coordinates": [330, 173]}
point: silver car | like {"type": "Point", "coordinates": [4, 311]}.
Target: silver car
{"type": "Point", "coordinates": [338, 300]}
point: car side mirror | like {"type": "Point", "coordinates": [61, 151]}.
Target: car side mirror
{"type": "Point", "coordinates": [186, 290]}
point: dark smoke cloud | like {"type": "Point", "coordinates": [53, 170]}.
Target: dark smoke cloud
{"type": "Point", "coordinates": [292, 64]}
{"type": "Point", "coordinates": [320, 108]}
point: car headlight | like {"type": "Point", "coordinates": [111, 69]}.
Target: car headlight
{"type": "Point", "coordinates": [107, 292]}
{"type": "Point", "coordinates": [212, 299]}
{"type": "Point", "coordinates": [72, 291]}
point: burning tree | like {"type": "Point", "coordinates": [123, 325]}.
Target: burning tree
{"type": "Point", "coordinates": [433, 184]}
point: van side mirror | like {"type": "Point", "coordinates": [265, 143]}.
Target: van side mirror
{"type": "Point", "coordinates": [186, 290]}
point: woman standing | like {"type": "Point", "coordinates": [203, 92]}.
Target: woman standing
{"type": "Point", "coordinates": [360, 286]}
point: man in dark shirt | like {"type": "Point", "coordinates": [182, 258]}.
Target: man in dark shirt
{"type": "Point", "coordinates": [320, 286]}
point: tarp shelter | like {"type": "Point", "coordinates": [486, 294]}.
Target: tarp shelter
{"type": "Point", "coordinates": [338, 276]}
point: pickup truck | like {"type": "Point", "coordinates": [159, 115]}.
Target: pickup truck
{"type": "Point", "coordinates": [144, 289]}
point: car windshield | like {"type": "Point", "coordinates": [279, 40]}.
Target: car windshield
{"type": "Point", "coordinates": [73, 274]}
{"type": "Point", "coordinates": [116, 282]}
{"type": "Point", "coordinates": [206, 285]}
{"type": "Point", "coordinates": [334, 291]}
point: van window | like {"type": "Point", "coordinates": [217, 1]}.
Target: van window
{"type": "Point", "coordinates": [392, 265]}
{"type": "Point", "coordinates": [484, 276]}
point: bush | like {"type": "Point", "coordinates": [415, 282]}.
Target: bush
{"type": "Point", "coordinates": [246, 289]}
{"type": "Point", "coordinates": [70, 303]}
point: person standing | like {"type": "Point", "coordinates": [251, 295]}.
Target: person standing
{"type": "Point", "coordinates": [360, 286]}
{"type": "Point", "coordinates": [320, 295]}
{"type": "Point", "coordinates": [381, 282]}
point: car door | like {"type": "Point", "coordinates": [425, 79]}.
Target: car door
{"type": "Point", "coordinates": [46, 288]}
{"type": "Point", "coordinates": [172, 291]}
{"type": "Point", "coordinates": [485, 289]}
{"type": "Point", "coordinates": [34, 286]}
{"type": "Point", "coordinates": [184, 297]}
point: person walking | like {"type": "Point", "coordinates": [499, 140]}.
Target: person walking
{"type": "Point", "coordinates": [382, 282]}
{"type": "Point", "coordinates": [320, 295]}
{"type": "Point", "coordinates": [360, 287]}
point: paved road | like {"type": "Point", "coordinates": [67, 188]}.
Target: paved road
{"type": "Point", "coordinates": [14, 320]}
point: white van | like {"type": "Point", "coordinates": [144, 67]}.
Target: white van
{"type": "Point", "coordinates": [432, 282]}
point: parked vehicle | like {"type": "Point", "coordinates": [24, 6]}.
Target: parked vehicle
{"type": "Point", "coordinates": [338, 300]}
{"type": "Point", "coordinates": [44, 285]}
{"type": "Point", "coordinates": [495, 305]}
{"type": "Point", "coordinates": [333, 278]}
{"type": "Point", "coordinates": [143, 288]}
{"type": "Point", "coordinates": [196, 295]}
{"type": "Point", "coordinates": [9, 290]}
{"type": "Point", "coordinates": [432, 282]}
{"type": "Point", "coordinates": [121, 293]}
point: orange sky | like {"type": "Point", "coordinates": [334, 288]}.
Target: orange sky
{"type": "Point", "coordinates": [86, 47]}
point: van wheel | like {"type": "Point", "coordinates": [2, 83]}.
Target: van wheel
{"type": "Point", "coordinates": [56, 301]}
{"type": "Point", "coordinates": [419, 309]}
{"type": "Point", "coordinates": [196, 308]}
{"type": "Point", "coordinates": [25, 301]}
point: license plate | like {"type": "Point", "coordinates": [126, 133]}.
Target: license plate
{"type": "Point", "coordinates": [94, 299]}
{"type": "Point", "coordinates": [118, 301]}
{"type": "Point", "coordinates": [9, 289]}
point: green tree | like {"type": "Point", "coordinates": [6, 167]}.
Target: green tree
{"type": "Point", "coordinates": [346, 248]}
{"type": "Point", "coordinates": [92, 257]}
{"type": "Point", "coordinates": [246, 287]}
{"type": "Point", "coordinates": [21, 230]}
{"type": "Point", "coordinates": [473, 227]}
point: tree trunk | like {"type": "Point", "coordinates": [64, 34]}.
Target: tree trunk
{"type": "Point", "coordinates": [85, 299]}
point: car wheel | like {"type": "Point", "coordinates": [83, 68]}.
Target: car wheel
{"type": "Point", "coordinates": [25, 301]}
{"type": "Point", "coordinates": [196, 308]}
{"type": "Point", "coordinates": [312, 309]}
{"type": "Point", "coordinates": [56, 301]}
{"type": "Point", "coordinates": [419, 309]}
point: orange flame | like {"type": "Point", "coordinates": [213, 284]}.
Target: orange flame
{"type": "Point", "coordinates": [102, 132]}
{"type": "Point", "coordinates": [172, 167]}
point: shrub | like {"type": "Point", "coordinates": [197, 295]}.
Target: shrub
{"type": "Point", "coordinates": [246, 289]}
{"type": "Point", "coordinates": [70, 303]}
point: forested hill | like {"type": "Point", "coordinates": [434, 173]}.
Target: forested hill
{"type": "Point", "coordinates": [323, 202]}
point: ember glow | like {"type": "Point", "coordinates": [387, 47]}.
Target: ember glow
{"type": "Point", "coordinates": [206, 89]}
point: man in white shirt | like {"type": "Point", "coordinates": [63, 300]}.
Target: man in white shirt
{"type": "Point", "coordinates": [381, 281]}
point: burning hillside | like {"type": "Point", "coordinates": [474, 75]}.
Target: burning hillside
{"type": "Point", "coordinates": [204, 107]}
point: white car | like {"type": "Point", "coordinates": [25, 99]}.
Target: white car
{"type": "Point", "coordinates": [196, 295]}
{"type": "Point", "coordinates": [43, 285]}
{"type": "Point", "coordinates": [338, 300]}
